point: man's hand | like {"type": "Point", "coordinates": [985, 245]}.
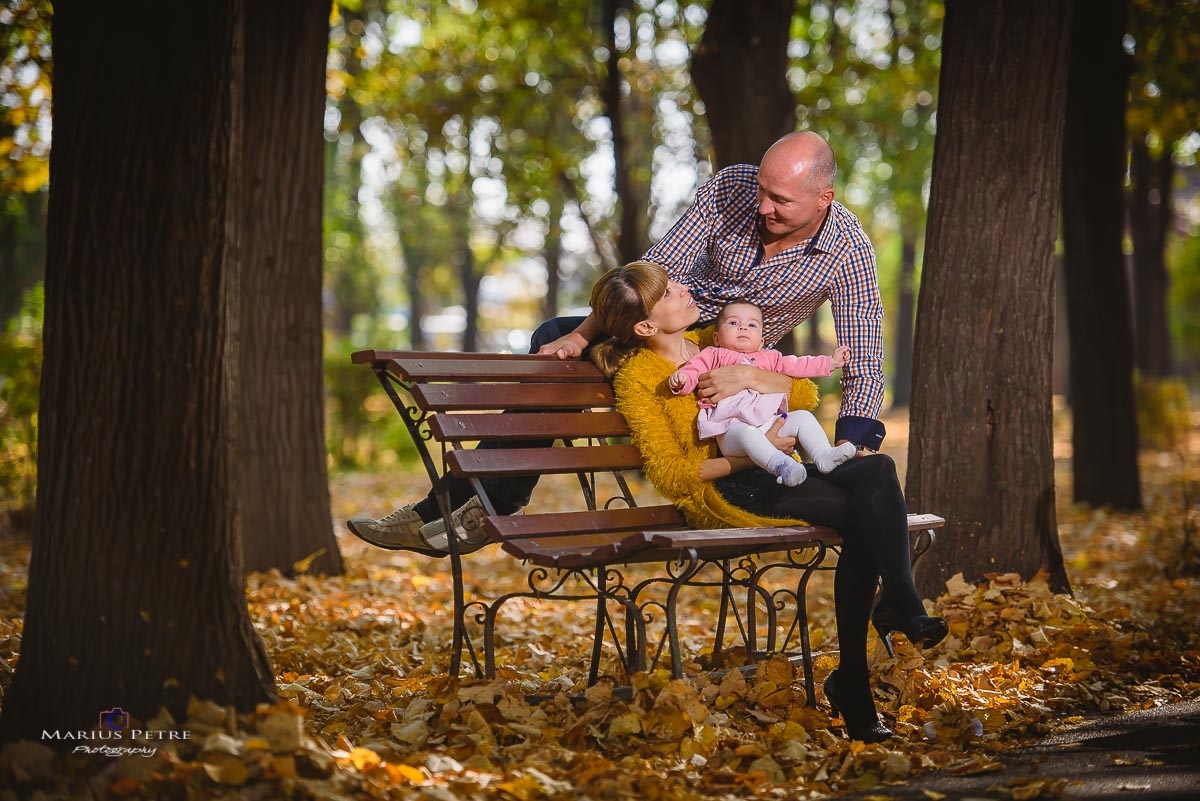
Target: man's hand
{"type": "Point", "coordinates": [567, 347]}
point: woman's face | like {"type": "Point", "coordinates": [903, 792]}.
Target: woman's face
{"type": "Point", "coordinates": [676, 310]}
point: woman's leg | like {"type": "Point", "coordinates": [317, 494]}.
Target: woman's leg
{"type": "Point", "coordinates": [822, 502]}
{"type": "Point", "coordinates": [877, 525]}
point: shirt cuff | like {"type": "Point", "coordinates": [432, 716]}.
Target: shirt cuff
{"type": "Point", "coordinates": [864, 431]}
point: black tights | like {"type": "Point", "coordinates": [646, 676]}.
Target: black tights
{"type": "Point", "coordinates": [863, 501]}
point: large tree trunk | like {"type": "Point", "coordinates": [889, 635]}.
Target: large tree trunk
{"type": "Point", "coordinates": [740, 70]}
{"type": "Point", "coordinates": [284, 487]}
{"type": "Point", "coordinates": [906, 306]}
{"type": "Point", "coordinates": [136, 594]}
{"type": "Point", "coordinates": [1104, 428]}
{"type": "Point", "coordinates": [980, 447]}
{"type": "Point", "coordinates": [1149, 221]}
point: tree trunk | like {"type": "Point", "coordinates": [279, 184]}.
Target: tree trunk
{"type": "Point", "coordinates": [740, 71]}
{"type": "Point", "coordinates": [1104, 424]}
{"type": "Point", "coordinates": [284, 487]}
{"type": "Point", "coordinates": [136, 594]}
{"type": "Point", "coordinates": [465, 261]}
{"type": "Point", "coordinates": [905, 312]}
{"type": "Point", "coordinates": [554, 251]}
{"type": "Point", "coordinates": [1149, 221]}
{"type": "Point", "coordinates": [980, 447]}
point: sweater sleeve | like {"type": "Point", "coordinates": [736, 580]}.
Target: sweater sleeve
{"type": "Point", "coordinates": [692, 369]}
{"type": "Point", "coordinates": [643, 404]}
{"type": "Point", "coordinates": [804, 366]}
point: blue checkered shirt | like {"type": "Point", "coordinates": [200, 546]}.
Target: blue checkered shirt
{"type": "Point", "coordinates": [716, 250]}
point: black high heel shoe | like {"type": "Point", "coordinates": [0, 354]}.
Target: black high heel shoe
{"type": "Point", "coordinates": [921, 630]}
{"type": "Point", "coordinates": [862, 723]}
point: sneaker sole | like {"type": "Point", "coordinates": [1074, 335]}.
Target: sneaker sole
{"type": "Point", "coordinates": [368, 538]}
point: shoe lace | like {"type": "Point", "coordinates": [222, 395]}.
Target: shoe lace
{"type": "Point", "coordinates": [397, 516]}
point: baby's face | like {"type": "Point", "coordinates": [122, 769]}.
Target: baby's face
{"type": "Point", "coordinates": [740, 328]}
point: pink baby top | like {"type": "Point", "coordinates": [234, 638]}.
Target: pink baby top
{"type": "Point", "coordinates": [748, 406]}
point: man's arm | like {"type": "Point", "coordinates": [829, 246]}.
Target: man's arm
{"type": "Point", "coordinates": [571, 346]}
{"type": "Point", "coordinates": [858, 319]}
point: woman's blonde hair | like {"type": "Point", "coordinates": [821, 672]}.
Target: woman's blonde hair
{"type": "Point", "coordinates": [622, 298]}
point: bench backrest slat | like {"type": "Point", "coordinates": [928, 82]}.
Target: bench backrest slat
{"type": "Point", "coordinates": [498, 463]}
{"type": "Point", "coordinates": [464, 397]}
{"type": "Point", "coordinates": [547, 369]}
{"type": "Point", "coordinates": [452, 427]}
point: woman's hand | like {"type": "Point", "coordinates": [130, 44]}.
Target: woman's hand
{"type": "Point", "coordinates": [721, 466]}
{"type": "Point", "coordinates": [725, 382]}
{"type": "Point", "coordinates": [784, 444]}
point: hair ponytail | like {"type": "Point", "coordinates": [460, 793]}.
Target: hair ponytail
{"type": "Point", "coordinates": [622, 298]}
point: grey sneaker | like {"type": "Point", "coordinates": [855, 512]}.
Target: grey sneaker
{"type": "Point", "coordinates": [399, 531]}
{"type": "Point", "coordinates": [468, 522]}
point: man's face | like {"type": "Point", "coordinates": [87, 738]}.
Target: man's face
{"type": "Point", "coordinates": [786, 203]}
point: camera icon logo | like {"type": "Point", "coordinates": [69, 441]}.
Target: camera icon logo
{"type": "Point", "coordinates": [115, 719]}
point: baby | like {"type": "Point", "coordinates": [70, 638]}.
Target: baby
{"type": "Point", "coordinates": [740, 422]}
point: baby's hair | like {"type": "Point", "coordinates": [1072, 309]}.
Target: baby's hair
{"type": "Point", "coordinates": [722, 314]}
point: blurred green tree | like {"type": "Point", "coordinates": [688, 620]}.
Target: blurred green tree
{"type": "Point", "coordinates": [25, 71]}
{"type": "Point", "coordinates": [1164, 110]}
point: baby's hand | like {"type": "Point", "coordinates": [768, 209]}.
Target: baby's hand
{"type": "Point", "coordinates": [676, 381]}
{"type": "Point", "coordinates": [841, 355]}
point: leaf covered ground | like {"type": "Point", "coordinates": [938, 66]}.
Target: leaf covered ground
{"type": "Point", "coordinates": [368, 712]}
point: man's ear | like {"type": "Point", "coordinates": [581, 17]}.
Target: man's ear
{"type": "Point", "coordinates": [645, 329]}
{"type": "Point", "coordinates": [827, 198]}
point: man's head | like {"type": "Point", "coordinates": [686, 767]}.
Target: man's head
{"type": "Point", "coordinates": [795, 186]}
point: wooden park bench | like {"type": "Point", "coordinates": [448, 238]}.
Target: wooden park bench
{"type": "Point", "coordinates": [449, 401]}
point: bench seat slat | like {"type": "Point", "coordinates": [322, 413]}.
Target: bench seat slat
{"type": "Point", "coordinates": [584, 550]}
{"type": "Point", "coordinates": [503, 462]}
{"type": "Point", "coordinates": [565, 525]}
{"type": "Point", "coordinates": [452, 427]}
{"type": "Point", "coordinates": [463, 397]}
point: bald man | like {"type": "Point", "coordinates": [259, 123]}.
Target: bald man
{"type": "Point", "coordinates": [772, 235]}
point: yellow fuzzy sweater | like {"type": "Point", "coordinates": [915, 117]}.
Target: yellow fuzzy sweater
{"type": "Point", "coordinates": [663, 428]}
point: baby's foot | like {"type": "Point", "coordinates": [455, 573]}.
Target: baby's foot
{"type": "Point", "coordinates": [787, 470]}
{"type": "Point", "coordinates": [830, 458]}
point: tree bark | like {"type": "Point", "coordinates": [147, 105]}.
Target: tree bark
{"type": "Point", "coordinates": [980, 447]}
{"type": "Point", "coordinates": [1104, 423]}
{"type": "Point", "coordinates": [905, 312]}
{"type": "Point", "coordinates": [631, 207]}
{"type": "Point", "coordinates": [284, 487]}
{"type": "Point", "coordinates": [740, 70]}
{"type": "Point", "coordinates": [136, 591]}
{"type": "Point", "coordinates": [1149, 221]}
{"type": "Point", "coordinates": [553, 250]}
